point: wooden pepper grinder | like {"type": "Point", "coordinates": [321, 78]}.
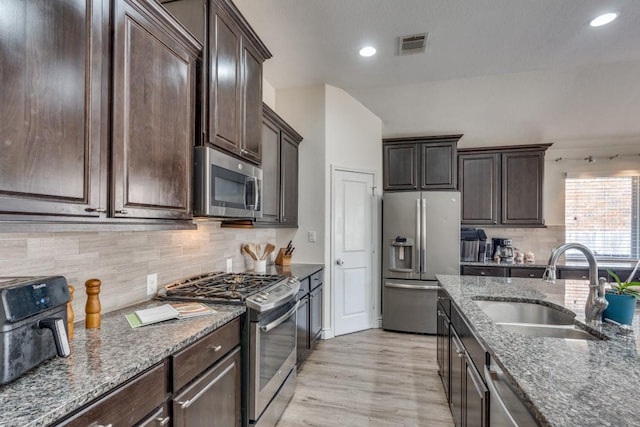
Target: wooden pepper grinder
{"type": "Point", "coordinates": [70, 315]}
{"type": "Point", "coordinates": [92, 309]}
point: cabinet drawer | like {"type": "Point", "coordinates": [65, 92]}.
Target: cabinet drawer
{"type": "Point", "coordinates": [190, 362]}
{"type": "Point", "coordinates": [532, 272]}
{"type": "Point", "coordinates": [126, 405]}
{"type": "Point", "coordinates": [304, 285]}
{"type": "Point", "coordinates": [573, 274]}
{"type": "Point", "coordinates": [316, 279]}
{"type": "Point", "coordinates": [484, 271]}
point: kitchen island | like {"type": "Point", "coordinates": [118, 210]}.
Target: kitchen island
{"type": "Point", "coordinates": [563, 382]}
{"type": "Point", "coordinates": [101, 359]}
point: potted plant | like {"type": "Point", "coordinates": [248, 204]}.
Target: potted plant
{"type": "Point", "coordinates": [622, 300]}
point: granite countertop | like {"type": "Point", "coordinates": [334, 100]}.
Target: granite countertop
{"type": "Point", "coordinates": [566, 264]}
{"type": "Point", "coordinates": [565, 382]}
{"type": "Point", "coordinates": [100, 360]}
{"type": "Point", "coordinates": [295, 270]}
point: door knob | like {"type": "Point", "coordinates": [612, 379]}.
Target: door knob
{"type": "Point", "coordinates": [339, 261]}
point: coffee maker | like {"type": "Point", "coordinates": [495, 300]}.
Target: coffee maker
{"type": "Point", "coordinates": [503, 248]}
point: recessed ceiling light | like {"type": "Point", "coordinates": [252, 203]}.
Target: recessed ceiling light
{"type": "Point", "coordinates": [603, 19]}
{"type": "Point", "coordinates": [368, 51]}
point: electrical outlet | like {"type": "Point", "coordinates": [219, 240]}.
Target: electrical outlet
{"type": "Point", "coordinates": [312, 236]}
{"type": "Point", "coordinates": [152, 283]}
{"type": "Point", "coordinates": [229, 265]}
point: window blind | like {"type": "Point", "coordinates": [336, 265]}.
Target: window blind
{"type": "Point", "coordinates": [601, 212]}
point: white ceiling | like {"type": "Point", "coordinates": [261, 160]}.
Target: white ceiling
{"type": "Point", "coordinates": [498, 71]}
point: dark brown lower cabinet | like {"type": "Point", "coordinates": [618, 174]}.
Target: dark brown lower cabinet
{"type": "Point", "coordinates": [458, 364]}
{"type": "Point", "coordinates": [315, 302]}
{"type": "Point", "coordinates": [302, 322]}
{"type": "Point", "coordinates": [484, 271]}
{"type": "Point", "coordinates": [212, 400]}
{"type": "Point", "coordinates": [531, 272]}
{"type": "Point", "coordinates": [139, 401]}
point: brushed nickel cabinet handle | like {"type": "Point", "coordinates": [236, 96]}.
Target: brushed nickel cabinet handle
{"type": "Point", "coordinates": [95, 210]}
{"type": "Point", "coordinates": [163, 421]}
{"type": "Point", "coordinates": [215, 348]}
{"type": "Point", "coordinates": [122, 211]}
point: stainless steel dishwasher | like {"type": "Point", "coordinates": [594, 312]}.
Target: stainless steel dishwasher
{"type": "Point", "coordinates": [506, 408]}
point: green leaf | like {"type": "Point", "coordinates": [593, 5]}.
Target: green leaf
{"type": "Point", "coordinates": [615, 276]}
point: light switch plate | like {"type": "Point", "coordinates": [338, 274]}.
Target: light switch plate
{"type": "Point", "coordinates": [229, 265]}
{"type": "Point", "coordinates": [152, 283]}
{"type": "Point", "coordinates": [312, 236]}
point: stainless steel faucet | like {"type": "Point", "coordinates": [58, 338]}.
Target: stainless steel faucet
{"type": "Point", "coordinates": [596, 303]}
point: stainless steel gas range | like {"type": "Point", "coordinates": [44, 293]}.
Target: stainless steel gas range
{"type": "Point", "coordinates": [269, 334]}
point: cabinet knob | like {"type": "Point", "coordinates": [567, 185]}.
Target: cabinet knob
{"type": "Point", "coordinates": [482, 273]}
{"type": "Point", "coordinates": [339, 261]}
{"type": "Point", "coordinates": [460, 353]}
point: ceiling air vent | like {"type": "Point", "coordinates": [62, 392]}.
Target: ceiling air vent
{"type": "Point", "coordinates": [415, 43]}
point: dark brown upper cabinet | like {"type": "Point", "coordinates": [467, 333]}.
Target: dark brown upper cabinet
{"type": "Point", "coordinates": [502, 185]}
{"type": "Point", "coordinates": [234, 84]}
{"type": "Point", "coordinates": [53, 73]}
{"type": "Point", "coordinates": [280, 172]}
{"type": "Point", "coordinates": [153, 113]}
{"type": "Point", "coordinates": [230, 86]}
{"type": "Point", "coordinates": [63, 157]}
{"type": "Point", "coordinates": [420, 163]}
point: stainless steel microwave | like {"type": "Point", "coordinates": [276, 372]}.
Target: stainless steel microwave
{"type": "Point", "coordinates": [225, 186]}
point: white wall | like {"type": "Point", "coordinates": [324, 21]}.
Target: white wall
{"type": "Point", "coordinates": [354, 141]}
{"type": "Point", "coordinates": [268, 94]}
{"type": "Point", "coordinates": [304, 110]}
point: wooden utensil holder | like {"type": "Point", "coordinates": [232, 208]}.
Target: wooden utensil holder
{"type": "Point", "coordinates": [282, 259]}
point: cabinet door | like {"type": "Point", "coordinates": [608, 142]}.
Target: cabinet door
{"type": "Point", "coordinates": [438, 166]}
{"type": "Point", "coordinates": [522, 188]}
{"type": "Point", "coordinates": [479, 181]}
{"type": "Point", "coordinates": [153, 115]}
{"type": "Point", "coordinates": [476, 397]}
{"type": "Point", "coordinates": [289, 180]}
{"type": "Point", "coordinates": [442, 350]}
{"type": "Point", "coordinates": [316, 313]}
{"type": "Point", "coordinates": [224, 81]}
{"type": "Point", "coordinates": [400, 163]}
{"type": "Point", "coordinates": [251, 104]}
{"type": "Point", "coordinates": [213, 400]}
{"type": "Point", "coordinates": [457, 373]}
{"type": "Point", "coordinates": [54, 77]}
{"type": "Point", "coordinates": [302, 322]}
{"type": "Point", "coordinates": [270, 172]}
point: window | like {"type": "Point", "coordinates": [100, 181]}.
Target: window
{"type": "Point", "coordinates": [601, 212]}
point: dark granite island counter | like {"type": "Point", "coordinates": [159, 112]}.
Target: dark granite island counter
{"type": "Point", "coordinates": [564, 382]}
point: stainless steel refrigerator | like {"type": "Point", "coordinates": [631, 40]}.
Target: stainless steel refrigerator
{"type": "Point", "coordinates": [421, 238]}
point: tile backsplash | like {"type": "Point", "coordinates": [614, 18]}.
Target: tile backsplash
{"type": "Point", "coordinates": [122, 260]}
{"type": "Point", "coordinates": [540, 241]}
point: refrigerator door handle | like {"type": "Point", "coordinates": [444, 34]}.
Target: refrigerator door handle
{"type": "Point", "coordinates": [418, 238]}
{"type": "Point", "coordinates": [416, 287]}
{"type": "Point", "coordinates": [423, 237]}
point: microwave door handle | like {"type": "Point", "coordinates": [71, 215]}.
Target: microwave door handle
{"type": "Point", "coordinates": [253, 181]}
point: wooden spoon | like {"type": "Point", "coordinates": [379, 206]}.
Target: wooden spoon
{"type": "Point", "coordinates": [267, 250]}
{"type": "Point", "coordinates": [248, 251]}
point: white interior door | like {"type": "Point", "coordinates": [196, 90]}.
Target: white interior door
{"type": "Point", "coordinates": [353, 233]}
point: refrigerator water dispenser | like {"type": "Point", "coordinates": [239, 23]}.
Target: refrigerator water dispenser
{"type": "Point", "coordinates": [401, 254]}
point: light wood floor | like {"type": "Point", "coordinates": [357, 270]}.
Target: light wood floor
{"type": "Point", "coordinates": [370, 378]}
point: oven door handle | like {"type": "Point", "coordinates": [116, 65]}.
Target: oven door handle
{"type": "Point", "coordinates": [280, 320]}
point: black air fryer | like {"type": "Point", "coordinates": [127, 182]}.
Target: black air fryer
{"type": "Point", "coordinates": [33, 323]}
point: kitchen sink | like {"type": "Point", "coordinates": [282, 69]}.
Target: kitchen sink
{"type": "Point", "coordinates": [524, 312]}
{"type": "Point", "coordinates": [532, 319]}
{"type": "Point", "coordinates": [567, 332]}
